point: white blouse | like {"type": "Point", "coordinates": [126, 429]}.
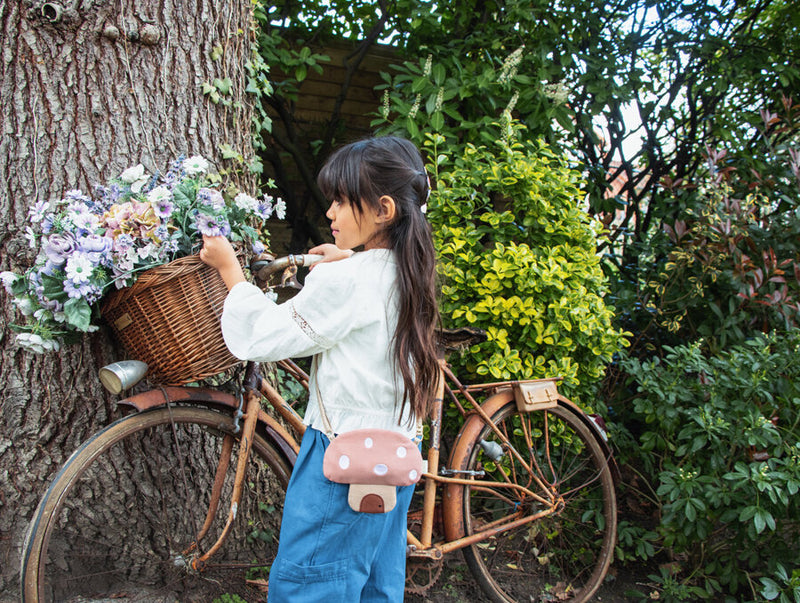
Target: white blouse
{"type": "Point", "coordinates": [346, 313]}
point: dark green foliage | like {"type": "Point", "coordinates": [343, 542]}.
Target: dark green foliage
{"type": "Point", "coordinates": [717, 438]}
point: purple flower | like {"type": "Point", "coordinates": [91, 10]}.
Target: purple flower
{"type": "Point", "coordinates": [47, 223]}
{"type": "Point", "coordinates": [90, 292]}
{"type": "Point", "coordinates": [265, 207]}
{"type": "Point", "coordinates": [49, 268]}
{"type": "Point", "coordinates": [107, 195]}
{"type": "Point", "coordinates": [123, 242]}
{"type": "Point", "coordinates": [59, 247]}
{"type": "Point", "coordinates": [52, 304]}
{"type": "Point", "coordinates": [169, 179]}
{"type": "Point", "coordinates": [81, 216]}
{"type": "Point", "coordinates": [164, 208]}
{"type": "Point", "coordinates": [258, 248]}
{"type": "Point", "coordinates": [72, 289]}
{"type": "Point", "coordinates": [211, 198]}
{"type": "Point", "coordinates": [212, 226]}
{"type": "Point", "coordinates": [36, 213]}
{"type": "Point", "coordinates": [76, 195]}
{"type": "Point", "coordinates": [96, 247]}
{"type": "Point", "coordinates": [161, 232]}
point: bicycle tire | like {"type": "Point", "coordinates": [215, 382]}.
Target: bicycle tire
{"type": "Point", "coordinates": [560, 557]}
{"type": "Point", "coordinates": [125, 505]}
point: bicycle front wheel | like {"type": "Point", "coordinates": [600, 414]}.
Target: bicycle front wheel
{"type": "Point", "coordinates": [563, 474]}
{"type": "Point", "coordinates": [121, 518]}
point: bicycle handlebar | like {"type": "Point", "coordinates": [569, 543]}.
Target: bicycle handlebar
{"type": "Point", "coordinates": [263, 268]}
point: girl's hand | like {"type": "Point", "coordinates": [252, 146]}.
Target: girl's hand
{"type": "Point", "coordinates": [218, 253]}
{"type": "Point", "coordinates": [330, 253]}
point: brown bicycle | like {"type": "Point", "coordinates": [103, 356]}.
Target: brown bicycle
{"type": "Point", "coordinates": [181, 498]}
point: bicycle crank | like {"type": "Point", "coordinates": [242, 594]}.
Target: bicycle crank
{"type": "Point", "coordinates": [421, 574]}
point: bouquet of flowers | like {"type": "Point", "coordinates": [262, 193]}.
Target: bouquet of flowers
{"type": "Point", "coordinates": [89, 245]}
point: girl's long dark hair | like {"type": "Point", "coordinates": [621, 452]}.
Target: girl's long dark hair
{"type": "Point", "coordinates": [363, 172]}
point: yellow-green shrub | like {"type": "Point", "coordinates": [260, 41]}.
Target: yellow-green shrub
{"type": "Point", "coordinates": [518, 259]}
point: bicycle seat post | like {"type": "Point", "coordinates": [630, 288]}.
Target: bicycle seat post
{"type": "Point", "coordinates": [429, 497]}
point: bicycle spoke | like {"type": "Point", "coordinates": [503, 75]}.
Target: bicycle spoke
{"type": "Point", "coordinates": [564, 553]}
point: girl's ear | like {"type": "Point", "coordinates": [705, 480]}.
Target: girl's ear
{"type": "Point", "coordinates": [387, 209]}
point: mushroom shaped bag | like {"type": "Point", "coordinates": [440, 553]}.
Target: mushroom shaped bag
{"type": "Point", "coordinates": [374, 462]}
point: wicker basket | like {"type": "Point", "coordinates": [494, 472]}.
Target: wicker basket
{"type": "Point", "coordinates": [169, 318]}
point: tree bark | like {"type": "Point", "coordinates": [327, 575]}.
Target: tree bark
{"type": "Point", "coordinates": [89, 88]}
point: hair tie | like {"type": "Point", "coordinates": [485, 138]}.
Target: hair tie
{"type": "Point", "coordinates": [424, 207]}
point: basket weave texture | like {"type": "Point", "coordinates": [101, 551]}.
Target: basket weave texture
{"type": "Point", "coordinates": [169, 318]}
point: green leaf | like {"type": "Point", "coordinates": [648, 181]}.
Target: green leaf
{"type": "Point", "coordinates": [437, 121]}
{"type": "Point", "coordinates": [78, 313]}
{"type": "Point", "coordinates": [223, 85]}
{"type": "Point", "coordinates": [771, 589]}
{"type": "Point", "coordinates": [419, 85]}
{"type": "Point", "coordinates": [53, 287]}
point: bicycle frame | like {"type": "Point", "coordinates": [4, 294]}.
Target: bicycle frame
{"type": "Point", "coordinates": [248, 407]}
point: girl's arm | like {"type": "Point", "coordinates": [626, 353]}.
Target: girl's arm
{"type": "Point", "coordinates": [218, 253]}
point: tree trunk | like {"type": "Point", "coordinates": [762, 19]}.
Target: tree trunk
{"type": "Point", "coordinates": [89, 88]}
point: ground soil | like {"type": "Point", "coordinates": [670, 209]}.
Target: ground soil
{"type": "Point", "coordinates": [456, 585]}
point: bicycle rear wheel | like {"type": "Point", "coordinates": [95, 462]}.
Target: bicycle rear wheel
{"type": "Point", "coordinates": [564, 555]}
{"type": "Point", "coordinates": [119, 518]}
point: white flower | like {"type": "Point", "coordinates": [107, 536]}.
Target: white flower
{"type": "Point", "coordinates": [195, 165]}
{"type": "Point", "coordinates": [124, 261]}
{"type": "Point", "coordinates": [8, 278]}
{"type": "Point", "coordinates": [85, 221]}
{"type": "Point", "coordinates": [25, 305]}
{"type": "Point", "coordinates": [79, 268]}
{"type": "Point", "coordinates": [245, 202]}
{"type": "Point", "coordinates": [32, 342]}
{"type": "Point", "coordinates": [132, 174]}
{"type": "Point", "coordinates": [280, 209]}
{"type": "Point", "coordinates": [158, 194]}
{"type": "Point", "coordinates": [147, 251]}
{"type": "Point", "coordinates": [136, 177]}
{"type": "Point", "coordinates": [30, 236]}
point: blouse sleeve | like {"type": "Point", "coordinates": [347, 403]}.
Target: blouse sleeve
{"type": "Point", "coordinates": [320, 315]}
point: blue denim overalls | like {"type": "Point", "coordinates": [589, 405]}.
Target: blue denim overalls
{"type": "Point", "coordinates": [328, 552]}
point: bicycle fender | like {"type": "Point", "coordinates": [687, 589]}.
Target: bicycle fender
{"type": "Point", "coordinates": [215, 398]}
{"type": "Point", "coordinates": [601, 438]}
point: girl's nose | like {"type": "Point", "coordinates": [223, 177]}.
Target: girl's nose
{"type": "Point", "coordinates": [329, 213]}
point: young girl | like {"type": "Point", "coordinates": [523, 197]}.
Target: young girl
{"type": "Point", "coordinates": [369, 318]}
